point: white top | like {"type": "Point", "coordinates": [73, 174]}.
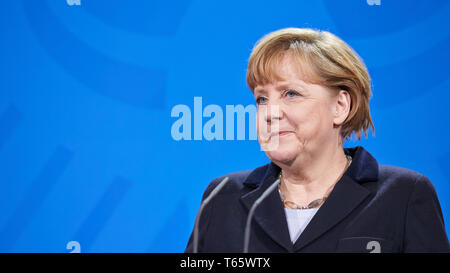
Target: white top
{"type": "Point", "coordinates": [297, 220]}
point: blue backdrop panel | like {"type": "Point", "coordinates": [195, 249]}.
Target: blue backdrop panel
{"type": "Point", "coordinates": [86, 94]}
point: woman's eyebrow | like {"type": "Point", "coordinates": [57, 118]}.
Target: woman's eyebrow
{"type": "Point", "coordinates": [296, 86]}
{"type": "Point", "coordinates": [260, 91]}
{"type": "Point", "coordinates": [284, 86]}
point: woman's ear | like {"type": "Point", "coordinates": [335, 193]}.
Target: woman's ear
{"type": "Point", "coordinates": [341, 107]}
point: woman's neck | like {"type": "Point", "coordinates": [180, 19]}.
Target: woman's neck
{"type": "Point", "coordinates": [311, 176]}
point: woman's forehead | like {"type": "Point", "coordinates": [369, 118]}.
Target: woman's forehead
{"type": "Point", "coordinates": [285, 68]}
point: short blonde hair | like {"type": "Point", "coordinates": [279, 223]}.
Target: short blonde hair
{"type": "Point", "coordinates": [323, 59]}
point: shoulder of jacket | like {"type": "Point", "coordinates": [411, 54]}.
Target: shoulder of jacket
{"type": "Point", "coordinates": [237, 180]}
{"type": "Point", "coordinates": [402, 177]}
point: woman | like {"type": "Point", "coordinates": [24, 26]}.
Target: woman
{"type": "Point", "coordinates": [312, 93]}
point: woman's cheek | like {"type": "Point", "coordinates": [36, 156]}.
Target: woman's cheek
{"type": "Point", "coordinates": [308, 127]}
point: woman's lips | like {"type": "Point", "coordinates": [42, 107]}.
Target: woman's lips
{"type": "Point", "coordinates": [283, 133]}
{"type": "Point", "coordinates": [280, 134]}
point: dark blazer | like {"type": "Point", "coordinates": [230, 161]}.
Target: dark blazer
{"type": "Point", "coordinates": [395, 207]}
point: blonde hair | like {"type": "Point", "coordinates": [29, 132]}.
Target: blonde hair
{"type": "Point", "coordinates": [324, 59]}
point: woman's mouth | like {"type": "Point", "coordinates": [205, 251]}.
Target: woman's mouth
{"type": "Point", "coordinates": [284, 133]}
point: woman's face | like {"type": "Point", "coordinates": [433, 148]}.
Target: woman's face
{"type": "Point", "coordinates": [295, 119]}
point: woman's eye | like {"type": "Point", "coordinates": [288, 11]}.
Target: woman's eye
{"type": "Point", "coordinates": [260, 100]}
{"type": "Point", "coordinates": [291, 93]}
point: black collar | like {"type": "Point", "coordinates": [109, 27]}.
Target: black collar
{"type": "Point", "coordinates": [364, 168]}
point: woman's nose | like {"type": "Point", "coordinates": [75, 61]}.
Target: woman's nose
{"type": "Point", "coordinates": [272, 113]}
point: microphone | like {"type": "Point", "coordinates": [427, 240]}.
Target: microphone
{"type": "Point", "coordinates": [202, 206]}
{"type": "Point", "coordinates": [252, 211]}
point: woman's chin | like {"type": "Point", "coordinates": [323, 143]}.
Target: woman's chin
{"type": "Point", "coordinates": [282, 156]}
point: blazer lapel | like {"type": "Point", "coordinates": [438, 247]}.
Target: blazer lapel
{"type": "Point", "coordinates": [269, 215]}
{"type": "Point", "coordinates": [346, 196]}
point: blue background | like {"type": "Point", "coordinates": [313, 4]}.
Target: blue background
{"type": "Point", "coordinates": [86, 94]}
